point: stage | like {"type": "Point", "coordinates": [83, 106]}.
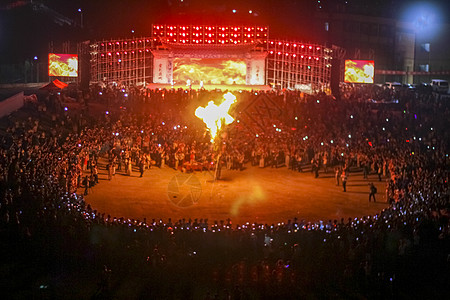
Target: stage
{"type": "Point", "coordinates": [266, 195]}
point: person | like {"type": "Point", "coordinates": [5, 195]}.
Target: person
{"type": "Point", "coordinates": [108, 169]}
{"type": "Point", "coordinates": [86, 185]}
{"type": "Point", "coordinates": [365, 169]}
{"type": "Point", "coordinates": [337, 175]}
{"type": "Point", "coordinates": [129, 168]}
{"type": "Point", "coordinates": [141, 168]}
{"type": "Point", "coordinates": [325, 162]}
{"type": "Point", "coordinates": [299, 163]}
{"type": "Point", "coordinates": [316, 169]}
{"type": "Point", "coordinates": [95, 173]}
{"type": "Point", "coordinates": [344, 180]}
{"type": "Point", "coordinates": [373, 191]}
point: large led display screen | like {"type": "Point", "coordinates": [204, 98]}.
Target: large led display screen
{"type": "Point", "coordinates": [359, 71]}
{"type": "Point", "coordinates": [63, 65]}
{"type": "Point", "coordinates": [209, 71]}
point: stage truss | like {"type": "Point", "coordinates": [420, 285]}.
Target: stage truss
{"type": "Point", "coordinates": [299, 66]}
{"type": "Point", "coordinates": [124, 62]}
{"type": "Point", "coordinates": [288, 65]}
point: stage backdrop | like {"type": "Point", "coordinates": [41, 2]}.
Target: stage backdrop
{"type": "Point", "coordinates": [209, 71]}
{"type": "Point", "coordinates": [210, 67]}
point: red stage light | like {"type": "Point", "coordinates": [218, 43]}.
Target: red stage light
{"type": "Point", "coordinates": [279, 43]}
{"type": "Point", "coordinates": [279, 53]}
{"type": "Point", "coordinates": [287, 44]}
{"type": "Point", "coordinates": [287, 54]}
{"type": "Point", "coordinates": [271, 52]}
{"type": "Point", "coordinates": [117, 53]}
{"type": "Point", "coordinates": [126, 52]}
{"type": "Point", "coordinates": [310, 47]}
{"type": "Point", "coordinates": [294, 55]}
{"type": "Point", "coordinates": [103, 54]}
{"type": "Point", "coordinates": [309, 57]}
{"type": "Point", "coordinates": [318, 48]}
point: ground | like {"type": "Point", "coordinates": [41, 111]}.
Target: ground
{"type": "Point", "coordinates": [262, 195]}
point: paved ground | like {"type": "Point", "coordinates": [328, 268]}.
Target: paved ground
{"type": "Point", "coordinates": [253, 195]}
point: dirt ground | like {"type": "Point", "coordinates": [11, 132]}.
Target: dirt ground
{"type": "Point", "coordinates": [262, 195]}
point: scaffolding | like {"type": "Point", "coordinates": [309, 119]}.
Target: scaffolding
{"type": "Point", "coordinates": [124, 62]}
{"type": "Point", "coordinates": [299, 66]}
{"type": "Point", "coordinates": [289, 65]}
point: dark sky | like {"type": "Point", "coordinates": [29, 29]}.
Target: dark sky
{"type": "Point", "coordinates": [21, 30]}
{"type": "Point", "coordinates": [118, 17]}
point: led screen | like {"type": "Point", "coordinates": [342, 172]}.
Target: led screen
{"type": "Point", "coordinates": [63, 65]}
{"type": "Point", "coordinates": [359, 71]}
{"type": "Point", "coordinates": [209, 70]}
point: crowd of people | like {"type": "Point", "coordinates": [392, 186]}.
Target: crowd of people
{"type": "Point", "coordinates": [48, 163]}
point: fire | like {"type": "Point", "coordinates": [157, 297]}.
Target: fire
{"type": "Point", "coordinates": [214, 115]}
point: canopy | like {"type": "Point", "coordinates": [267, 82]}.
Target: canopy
{"type": "Point", "coordinates": [54, 85]}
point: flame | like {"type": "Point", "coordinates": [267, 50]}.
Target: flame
{"type": "Point", "coordinates": [214, 115]}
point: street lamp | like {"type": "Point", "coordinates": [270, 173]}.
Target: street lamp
{"type": "Point", "coordinates": [81, 16]}
{"type": "Point", "coordinates": [37, 68]}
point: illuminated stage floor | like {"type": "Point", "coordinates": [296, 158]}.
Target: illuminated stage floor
{"type": "Point", "coordinates": [254, 195]}
{"type": "Point", "coordinates": [209, 87]}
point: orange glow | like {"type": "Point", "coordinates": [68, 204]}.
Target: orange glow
{"type": "Point", "coordinates": [214, 116]}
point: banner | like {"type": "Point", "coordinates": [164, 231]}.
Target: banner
{"type": "Point", "coordinates": [161, 65]}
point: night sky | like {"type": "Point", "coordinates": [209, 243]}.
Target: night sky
{"type": "Point", "coordinates": [23, 30]}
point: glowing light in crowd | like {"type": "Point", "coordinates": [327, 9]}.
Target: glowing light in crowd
{"type": "Point", "coordinates": [215, 115]}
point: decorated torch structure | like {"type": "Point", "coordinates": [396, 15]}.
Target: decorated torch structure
{"type": "Point", "coordinates": [216, 117]}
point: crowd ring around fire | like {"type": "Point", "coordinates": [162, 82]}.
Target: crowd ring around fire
{"type": "Point", "coordinates": [216, 58]}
